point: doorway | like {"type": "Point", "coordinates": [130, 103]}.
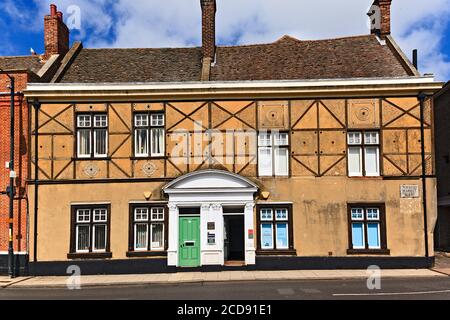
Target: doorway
{"type": "Point", "coordinates": [234, 238]}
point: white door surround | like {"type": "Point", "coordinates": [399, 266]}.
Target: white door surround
{"type": "Point", "coordinates": [211, 190]}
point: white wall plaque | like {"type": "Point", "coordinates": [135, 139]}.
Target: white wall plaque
{"type": "Point", "coordinates": [409, 191]}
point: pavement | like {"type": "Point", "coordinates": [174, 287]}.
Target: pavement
{"type": "Point", "coordinates": [211, 277]}
{"type": "Point", "coordinates": [442, 263]}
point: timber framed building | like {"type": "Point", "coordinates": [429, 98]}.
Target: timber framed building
{"type": "Point", "coordinates": [289, 155]}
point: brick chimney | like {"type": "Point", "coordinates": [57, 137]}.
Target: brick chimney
{"type": "Point", "coordinates": [209, 28]}
{"type": "Point", "coordinates": [56, 33]}
{"type": "Point", "coordinates": [380, 17]}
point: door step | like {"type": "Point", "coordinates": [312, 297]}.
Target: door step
{"type": "Point", "coordinates": [234, 263]}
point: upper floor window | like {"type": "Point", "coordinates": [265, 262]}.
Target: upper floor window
{"type": "Point", "coordinates": [363, 153]}
{"type": "Point", "coordinates": [92, 135]}
{"type": "Point", "coordinates": [149, 135]}
{"type": "Point", "coordinates": [273, 153]}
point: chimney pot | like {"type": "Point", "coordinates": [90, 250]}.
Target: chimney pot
{"type": "Point", "coordinates": [56, 33]}
{"type": "Point", "coordinates": [53, 10]}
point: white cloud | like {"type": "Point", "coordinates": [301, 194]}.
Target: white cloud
{"type": "Point", "coordinates": [155, 23]}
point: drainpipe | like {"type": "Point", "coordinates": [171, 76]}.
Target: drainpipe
{"type": "Point", "coordinates": [10, 189]}
{"type": "Point", "coordinates": [422, 98]}
{"type": "Point", "coordinates": [36, 106]}
{"type": "Point", "coordinates": [11, 184]}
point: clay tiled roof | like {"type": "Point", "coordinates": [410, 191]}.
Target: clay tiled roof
{"type": "Point", "coordinates": [285, 59]}
{"type": "Point", "coordinates": [290, 59]}
{"type": "Point", "coordinates": [135, 65]}
{"type": "Point", "coordinates": [32, 63]}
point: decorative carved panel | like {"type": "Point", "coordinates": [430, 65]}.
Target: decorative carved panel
{"type": "Point", "coordinates": [273, 115]}
{"type": "Point", "coordinates": [364, 114]}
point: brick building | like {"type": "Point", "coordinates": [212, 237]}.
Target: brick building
{"type": "Point", "coordinates": [24, 69]}
{"type": "Point", "coordinates": [442, 132]}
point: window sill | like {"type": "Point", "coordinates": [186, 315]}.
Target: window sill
{"type": "Point", "coordinates": [369, 251]}
{"type": "Point", "coordinates": [137, 254]}
{"type": "Point", "coordinates": [92, 159]}
{"type": "Point", "coordinates": [366, 177]}
{"type": "Point", "coordinates": [274, 177]}
{"type": "Point", "coordinates": [90, 255]}
{"type": "Point", "coordinates": [148, 158]}
{"type": "Point", "coordinates": [284, 252]}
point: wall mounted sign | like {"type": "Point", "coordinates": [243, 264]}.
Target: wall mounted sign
{"type": "Point", "coordinates": [211, 226]}
{"type": "Point", "coordinates": [211, 238]}
{"type": "Point", "coordinates": [409, 191]}
{"type": "Point", "coordinates": [250, 233]}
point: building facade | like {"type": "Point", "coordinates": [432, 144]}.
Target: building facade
{"type": "Point", "coordinates": [442, 105]}
{"type": "Point", "coordinates": [289, 155]}
{"type": "Point", "coordinates": [24, 70]}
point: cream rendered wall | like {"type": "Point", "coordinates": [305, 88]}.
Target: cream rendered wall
{"type": "Point", "coordinates": [319, 218]}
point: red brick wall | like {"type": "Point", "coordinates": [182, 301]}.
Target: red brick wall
{"type": "Point", "coordinates": [20, 165]}
{"type": "Point", "coordinates": [385, 8]}
{"type": "Point", "coordinates": [56, 36]}
{"type": "Point", "coordinates": [209, 28]}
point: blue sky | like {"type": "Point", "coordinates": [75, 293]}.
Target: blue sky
{"type": "Point", "coordinates": [420, 24]}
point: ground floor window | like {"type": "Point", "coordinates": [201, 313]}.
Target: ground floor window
{"type": "Point", "coordinates": [90, 229]}
{"type": "Point", "coordinates": [274, 228]}
{"type": "Point", "coordinates": [148, 228]}
{"type": "Point", "coordinates": [367, 231]}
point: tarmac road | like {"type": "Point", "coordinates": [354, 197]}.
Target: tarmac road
{"type": "Point", "coordinates": [356, 289]}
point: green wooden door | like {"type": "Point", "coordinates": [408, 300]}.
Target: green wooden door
{"type": "Point", "coordinates": [189, 246]}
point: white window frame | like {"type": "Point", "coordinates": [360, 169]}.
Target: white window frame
{"type": "Point", "coordinates": [363, 234]}
{"type": "Point", "coordinates": [93, 237]}
{"type": "Point", "coordinates": [102, 127]}
{"type": "Point", "coordinates": [266, 219]}
{"type": "Point", "coordinates": [141, 219]}
{"type": "Point", "coordinates": [356, 173]}
{"type": "Point", "coordinates": [146, 238]}
{"type": "Point", "coordinates": [78, 216]}
{"type": "Point", "coordinates": [363, 145]}
{"type": "Point", "coordinates": [79, 154]}
{"type": "Point", "coordinates": [152, 123]}
{"type": "Point", "coordinates": [100, 220]}
{"type": "Point", "coordinates": [157, 213]}
{"type": "Point", "coordinates": [287, 234]}
{"type": "Point", "coordinates": [136, 137]}
{"type": "Point", "coordinates": [150, 220]}
{"type": "Point", "coordinates": [365, 221]}
{"type": "Point", "coordinates": [88, 122]}
{"type": "Point", "coordinates": [273, 234]}
{"type": "Point", "coordinates": [281, 219]}
{"type": "Point", "coordinates": [378, 222]}
{"type": "Point", "coordinates": [151, 236]}
{"type": "Point", "coordinates": [141, 124]}
{"type": "Point", "coordinates": [156, 123]}
{"type": "Point", "coordinates": [267, 140]}
{"type": "Point", "coordinates": [91, 224]}
{"type": "Point", "coordinates": [160, 154]}
{"type": "Point", "coordinates": [77, 234]}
